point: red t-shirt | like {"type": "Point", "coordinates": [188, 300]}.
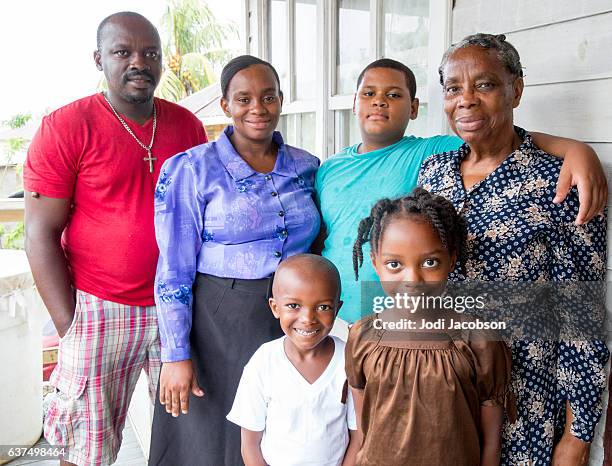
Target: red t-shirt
{"type": "Point", "coordinates": [82, 152]}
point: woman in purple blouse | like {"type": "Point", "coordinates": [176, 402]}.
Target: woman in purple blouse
{"type": "Point", "coordinates": [226, 214]}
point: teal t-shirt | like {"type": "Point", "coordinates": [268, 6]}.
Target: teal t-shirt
{"type": "Point", "coordinates": [349, 184]}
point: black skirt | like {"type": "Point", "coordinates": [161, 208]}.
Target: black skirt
{"type": "Point", "coordinates": [231, 319]}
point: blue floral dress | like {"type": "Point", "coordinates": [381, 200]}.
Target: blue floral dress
{"type": "Point", "coordinates": [516, 233]}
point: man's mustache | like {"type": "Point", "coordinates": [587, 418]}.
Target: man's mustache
{"type": "Point", "coordinates": [144, 74]}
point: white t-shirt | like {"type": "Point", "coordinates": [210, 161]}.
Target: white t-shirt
{"type": "Point", "coordinates": [303, 423]}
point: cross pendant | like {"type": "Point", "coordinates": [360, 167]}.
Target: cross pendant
{"type": "Point", "coordinates": [150, 159]}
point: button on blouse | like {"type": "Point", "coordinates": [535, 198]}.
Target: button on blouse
{"type": "Point", "coordinates": [516, 233]}
{"type": "Point", "coordinates": [214, 214]}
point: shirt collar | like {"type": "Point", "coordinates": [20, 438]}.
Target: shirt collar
{"type": "Point", "coordinates": [517, 162]}
{"type": "Point", "coordinates": [525, 147]}
{"type": "Point", "coordinates": [239, 169]}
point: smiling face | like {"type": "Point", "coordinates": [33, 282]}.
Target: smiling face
{"type": "Point", "coordinates": [409, 255]}
{"type": "Point", "coordinates": [383, 106]}
{"type": "Point", "coordinates": [479, 95]}
{"type": "Point", "coordinates": [254, 103]}
{"type": "Point", "coordinates": [306, 302]}
{"type": "Point", "coordinates": [130, 56]}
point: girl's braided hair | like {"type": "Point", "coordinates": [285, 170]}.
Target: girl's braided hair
{"type": "Point", "coordinates": [439, 212]}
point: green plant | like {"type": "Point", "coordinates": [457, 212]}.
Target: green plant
{"type": "Point", "coordinates": [194, 46]}
{"type": "Point", "coordinates": [18, 120]}
{"type": "Point", "coordinates": [15, 144]}
{"type": "Point", "coordinates": [14, 238]}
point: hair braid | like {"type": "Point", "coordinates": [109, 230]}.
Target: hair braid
{"type": "Point", "coordinates": [363, 236]}
{"type": "Point", "coordinates": [438, 211]}
{"type": "Point", "coordinates": [437, 220]}
{"type": "Point", "coordinates": [370, 229]}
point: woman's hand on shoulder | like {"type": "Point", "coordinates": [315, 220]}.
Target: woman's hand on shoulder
{"type": "Point", "coordinates": [176, 380]}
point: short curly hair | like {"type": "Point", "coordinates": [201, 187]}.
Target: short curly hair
{"type": "Point", "coordinates": [506, 53]}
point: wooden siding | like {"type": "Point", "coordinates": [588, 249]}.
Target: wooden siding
{"type": "Point", "coordinates": [565, 49]}
{"type": "Point", "coordinates": [503, 16]}
{"type": "Point", "coordinates": [569, 51]}
{"type": "Point", "coordinates": [580, 110]}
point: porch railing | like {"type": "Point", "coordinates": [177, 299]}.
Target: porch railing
{"type": "Point", "coordinates": [11, 210]}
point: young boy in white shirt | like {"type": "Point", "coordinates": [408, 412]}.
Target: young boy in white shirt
{"type": "Point", "coordinates": [292, 403]}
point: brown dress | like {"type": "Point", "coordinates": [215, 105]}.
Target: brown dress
{"type": "Point", "coordinates": [423, 393]}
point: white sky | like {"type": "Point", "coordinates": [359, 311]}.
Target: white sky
{"type": "Point", "coordinates": [46, 48]}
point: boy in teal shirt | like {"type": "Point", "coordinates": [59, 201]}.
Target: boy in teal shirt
{"type": "Point", "coordinates": [386, 164]}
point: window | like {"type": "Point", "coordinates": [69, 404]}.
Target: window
{"type": "Point", "coordinates": [347, 129]}
{"type": "Point", "coordinates": [305, 48]}
{"type": "Point", "coordinates": [353, 43]}
{"type": "Point", "coordinates": [403, 31]}
{"type": "Point", "coordinates": [320, 46]}
{"type": "Point", "coordinates": [298, 130]}
{"type": "Point", "coordinates": [279, 51]}
{"type": "Point", "coordinates": [292, 51]}
{"type": "Point", "coordinates": [406, 34]}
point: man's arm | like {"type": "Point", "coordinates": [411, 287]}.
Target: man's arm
{"type": "Point", "coordinates": [45, 220]}
{"type": "Point", "coordinates": [250, 447]}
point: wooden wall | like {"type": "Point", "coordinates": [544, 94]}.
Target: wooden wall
{"type": "Point", "coordinates": [566, 50]}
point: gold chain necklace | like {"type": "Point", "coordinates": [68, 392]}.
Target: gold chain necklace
{"type": "Point", "coordinates": [149, 157]}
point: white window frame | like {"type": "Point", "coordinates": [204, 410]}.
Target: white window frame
{"type": "Point", "coordinates": [440, 19]}
{"type": "Point", "coordinates": [290, 103]}
{"type": "Point", "coordinates": [326, 102]}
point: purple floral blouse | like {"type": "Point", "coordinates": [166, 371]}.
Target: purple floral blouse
{"type": "Point", "coordinates": [214, 214]}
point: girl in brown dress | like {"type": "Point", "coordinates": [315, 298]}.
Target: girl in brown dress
{"type": "Point", "coordinates": [425, 391]}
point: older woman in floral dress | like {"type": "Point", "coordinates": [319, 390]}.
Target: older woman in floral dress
{"type": "Point", "coordinates": [504, 185]}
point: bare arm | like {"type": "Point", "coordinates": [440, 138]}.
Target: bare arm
{"type": "Point", "coordinates": [581, 168]}
{"type": "Point", "coordinates": [356, 436]}
{"type": "Point", "coordinates": [355, 439]}
{"type": "Point", "coordinates": [358, 400]}
{"type": "Point", "coordinates": [570, 451]}
{"type": "Point", "coordinates": [491, 418]}
{"type": "Point", "coordinates": [250, 447]}
{"type": "Point", "coordinates": [45, 220]}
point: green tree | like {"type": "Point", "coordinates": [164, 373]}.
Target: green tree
{"type": "Point", "coordinates": [19, 120]}
{"type": "Point", "coordinates": [14, 144]}
{"type": "Point", "coordinates": [11, 235]}
{"type": "Point", "coordinates": [194, 47]}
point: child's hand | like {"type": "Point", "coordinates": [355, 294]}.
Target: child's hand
{"type": "Point", "coordinates": [175, 382]}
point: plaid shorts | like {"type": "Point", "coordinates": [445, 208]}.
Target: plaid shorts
{"type": "Point", "coordinates": [100, 359]}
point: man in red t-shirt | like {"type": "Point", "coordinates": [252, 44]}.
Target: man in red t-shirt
{"type": "Point", "coordinates": [90, 181]}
